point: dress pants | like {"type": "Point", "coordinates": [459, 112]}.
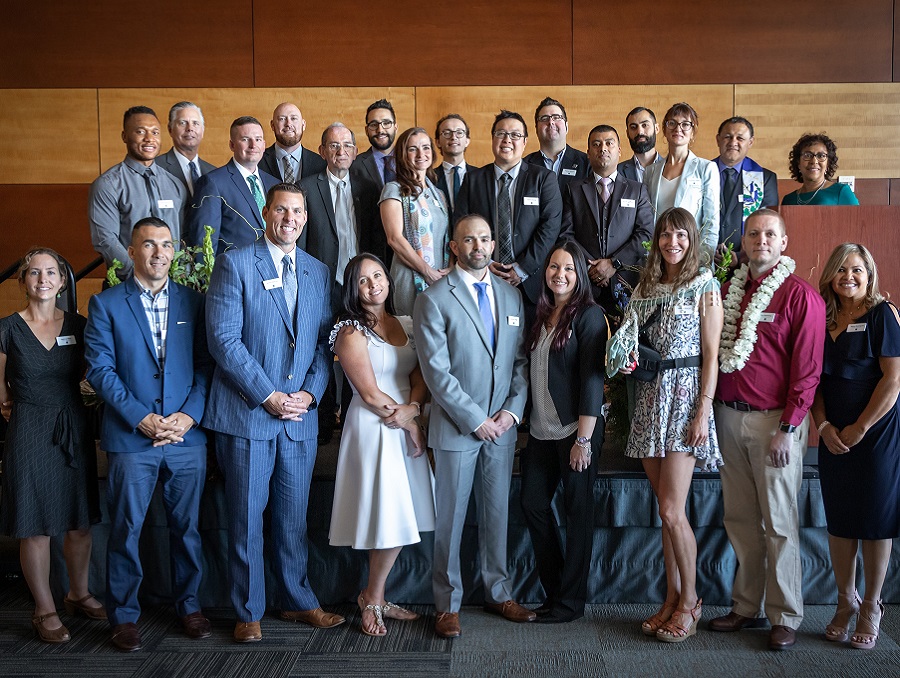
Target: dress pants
{"type": "Point", "coordinates": [487, 468]}
{"type": "Point", "coordinates": [258, 473]}
{"type": "Point", "coordinates": [131, 482]}
{"type": "Point", "coordinates": [761, 515]}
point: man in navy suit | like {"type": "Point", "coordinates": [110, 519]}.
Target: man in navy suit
{"type": "Point", "coordinates": [552, 127]}
{"type": "Point", "coordinates": [377, 164]}
{"type": "Point", "coordinates": [268, 316]}
{"type": "Point", "coordinates": [145, 345]}
{"type": "Point", "coordinates": [286, 158]}
{"type": "Point", "coordinates": [182, 161]}
{"type": "Point", "coordinates": [231, 198]}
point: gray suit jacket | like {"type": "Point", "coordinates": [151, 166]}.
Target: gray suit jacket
{"type": "Point", "coordinates": [468, 379]}
{"type": "Point", "coordinates": [629, 171]}
{"type": "Point", "coordinates": [170, 163]}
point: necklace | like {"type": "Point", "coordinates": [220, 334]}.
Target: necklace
{"type": "Point", "coordinates": [734, 350]}
{"type": "Point", "coordinates": [812, 197]}
{"type": "Point", "coordinates": [852, 312]}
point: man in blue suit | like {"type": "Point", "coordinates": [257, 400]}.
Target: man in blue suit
{"type": "Point", "coordinates": [268, 314]}
{"type": "Point", "coordinates": [145, 345]}
{"type": "Point", "coordinates": [231, 198]}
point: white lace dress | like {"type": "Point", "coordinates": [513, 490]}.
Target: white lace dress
{"type": "Point", "coordinates": [382, 497]}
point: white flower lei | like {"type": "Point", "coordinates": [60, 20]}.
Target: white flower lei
{"type": "Point", "coordinates": [734, 353]}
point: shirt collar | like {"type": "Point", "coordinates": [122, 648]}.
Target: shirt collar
{"type": "Point", "coordinates": [277, 253]}
{"type": "Point", "coordinates": [513, 172]}
{"type": "Point", "coordinates": [246, 173]}
{"type": "Point", "coordinates": [138, 167]}
{"type": "Point", "coordinates": [281, 153]}
{"type": "Point", "coordinates": [470, 279]}
{"type": "Point", "coordinates": [145, 292]}
{"type": "Point", "coordinates": [612, 176]}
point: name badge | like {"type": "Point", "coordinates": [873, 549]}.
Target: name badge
{"type": "Point", "coordinates": [569, 172]}
{"type": "Point", "coordinates": [856, 327]}
{"type": "Point", "coordinates": [272, 284]}
{"type": "Point", "coordinates": [165, 204]}
{"type": "Point", "coordinates": [68, 340]}
{"type": "Point", "coordinates": [531, 201]}
{"type": "Point", "coordinates": [766, 317]}
{"type": "Point", "coordinates": [627, 202]}
{"type": "Point", "coordinates": [740, 197]}
{"type": "Point", "coordinates": [512, 320]}
{"type": "Point", "coordinates": [694, 182]}
{"type": "Point", "coordinates": [684, 308]}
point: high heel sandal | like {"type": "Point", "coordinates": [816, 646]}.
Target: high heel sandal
{"type": "Point", "coordinates": [652, 624]}
{"type": "Point", "coordinates": [378, 611]}
{"type": "Point", "coordinates": [55, 636]}
{"type": "Point", "coordinates": [867, 616]}
{"type": "Point", "coordinates": [847, 609]}
{"type": "Point", "coordinates": [673, 632]}
{"type": "Point", "coordinates": [75, 606]}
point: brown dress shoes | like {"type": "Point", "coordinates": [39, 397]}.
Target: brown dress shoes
{"type": "Point", "coordinates": [782, 637]}
{"type": "Point", "coordinates": [446, 625]}
{"type": "Point", "coordinates": [511, 610]}
{"type": "Point", "coordinates": [735, 622]}
{"type": "Point", "coordinates": [247, 632]}
{"type": "Point", "coordinates": [126, 637]}
{"type": "Point", "coordinates": [318, 618]}
{"type": "Point", "coordinates": [195, 625]}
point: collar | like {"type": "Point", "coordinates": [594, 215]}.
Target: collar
{"type": "Point", "coordinates": [246, 173]}
{"type": "Point", "coordinates": [612, 176]}
{"type": "Point", "coordinates": [447, 167]}
{"type": "Point", "coordinates": [146, 292]}
{"type": "Point", "coordinates": [294, 155]}
{"type": "Point", "coordinates": [722, 166]}
{"type": "Point", "coordinates": [136, 166]}
{"type": "Point", "coordinates": [333, 181]}
{"type": "Point", "coordinates": [513, 172]}
{"type": "Point", "coordinates": [469, 279]}
{"type": "Point", "coordinates": [277, 253]}
{"type": "Point", "coordinates": [381, 154]}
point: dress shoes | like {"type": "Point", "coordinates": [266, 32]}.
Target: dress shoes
{"type": "Point", "coordinates": [195, 625]}
{"type": "Point", "coordinates": [557, 617]}
{"type": "Point", "coordinates": [126, 637]}
{"type": "Point", "coordinates": [446, 625]}
{"type": "Point", "coordinates": [318, 618]}
{"type": "Point", "coordinates": [56, 636]}
{"type": "Point", "coordinates": [735, 622]}
{"type": "Point", "coordinates": [782, 637]}
{"type": "Point", "coordinates": [512, 611]}
{"type": "Point", "coordinates": [544, 609]}
{"type": "Point", "coordinates": [247, 632]}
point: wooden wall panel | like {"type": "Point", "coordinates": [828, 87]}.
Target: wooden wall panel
{"type": "Point", "coordinates": [109, 43]}
{"type": "Point", "coordinates": [406, 42]}
{"type": "Point", "coordinates": [709, 41]}
{"type": "Point", "coordinates": [585, 106]}
{"type": "Point", "coordinates": [38, 145]}
{"type": "Point", "coordinates": [320, 106]}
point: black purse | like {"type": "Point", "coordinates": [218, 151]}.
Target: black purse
{"type": "Point", "coordinates": [648, 357]}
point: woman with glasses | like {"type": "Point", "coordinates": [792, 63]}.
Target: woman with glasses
{"type": "Point", "coordinates": [813, 161]}
{"type": "Point", "coordinates": [684, 180]}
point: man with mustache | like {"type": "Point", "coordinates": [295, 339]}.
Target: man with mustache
{"type": "Point", "coordinates": [286, 158]}
{"type": "Point", "coordinates": [641, 128]}
{"type": "Point", "coordinates": [377, 164]}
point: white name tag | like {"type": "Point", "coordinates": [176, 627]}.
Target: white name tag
{"type": "Point", "coordinates": [272, 284]}
{"type": "Point", "coordinates": [569, 172]}
{"type": "Point", "coordinates": [531, 201]}
{"type": "Point", "coordinates": [512, 320]}
{"type": "Point", "coordinates": [740, 197]}
{"type": "Point", "coordinates": [627, 202]}
{"type": "Point", "coordinates": [694, 182]}
{"type": "Point", "coordinates": [68, 340]}
{"type": "Point", "coordinates": [856, 327]}
{"type": "Point", "coordinates": [766, 317]}
{"type": "Point", "coordinates": [684, 308]}
{"type": "Point", "coordinates": [165, 204]}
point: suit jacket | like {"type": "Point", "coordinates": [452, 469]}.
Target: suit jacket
{"type": "Point", "coordinates": [124, 370]}
{"type": "Point", "coordinates": [170, 163]}
{"type": "Point", "coordinates": [441, 182]}
{"type": "Point", "coordinates": [259, 349]}
{"type": "Point", "coordinates": [310, 163]}
{"type": "Point", "coordinates": [731, 224]}
{"type": "Point", "coordinates": [627, 168]}
{"type": "Point", "coordinates": [574, 166]}
{"type": "Point", "coordinates": [367, 168]}
{"type": "Point", "coordinates": [222, 199]}
{"type": "Point", "coordinates": [535, 227]}
{"type": "Point", "coordinates": [468, 379]}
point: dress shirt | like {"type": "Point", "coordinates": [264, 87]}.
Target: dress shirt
{"type": "Point", "coordinates": [379, 162]}
{"type": "Point", "coordinates": [513, 175]}
{"type": "Point", "coordinates": [551, 164]}
{"type": "Point", "coordinates": [277, 255]}
{"type": "Point", "coordinates": [639, 168]}
{"type": "Point", "coordinates": [347, 242]}
{"type": "Point", "coordinates": [612, 177]}
{"type": "Point", "coordinates": [783, 370]}
{"type": "Point", "coordinates": [294, 158]}
{"type": "Point", "coordinates": [246, 174]}
{"type": "Point", "coordinates": [722, 167]}
{"type": "Point", "coordinates": [156, 306]}
{"type": "Point", "coordinates": [447, 169]}
{"type": "Point", "coordinates": [186, 170]}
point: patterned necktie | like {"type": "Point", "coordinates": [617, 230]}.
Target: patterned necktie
{"type": "Point", "coordinates": [289, 284]}
{"type": "Point", "coordinates": [151, 196]}
{"type": "Point", "coordinates": [484, 307]}
{"type": "Point", "coordinates": [257, 194]}
{"type": "Point", "coordinates": [390, 174]}
{"type": "Point", "coordinates": [289, 176]}
{"type": "Point", "coordinates": [605, 192]}
{"type": "Point", "coordinates": [344, 227]}
{"type": "Point", "coordinates": [504, 221]}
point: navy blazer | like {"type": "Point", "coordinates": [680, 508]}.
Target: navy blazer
{"type": "Point", "coordinates": [731, 225]}
{"type": "Point", "coordinates": [310, 164]}
{"type": "Point", "coordinates": [574, 166]}
{"type": "Point", "coordinates": [441, 181]}
{"type": "Point", "coordinates": [170, 163]}
{"type": "Point", "coordinates": [124, 370]}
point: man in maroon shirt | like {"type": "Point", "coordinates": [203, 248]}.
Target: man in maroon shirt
{"type": "Point", "coordinates": [770, 362]}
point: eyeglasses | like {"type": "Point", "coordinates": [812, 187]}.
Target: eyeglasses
{"type": "Point", "coordinates": [685, 125]}
{"type": "Point", "coordinates": [450, 133]}
{"type": "Point", "coordinates": [335, 146]}
{"type": "Point", "coordinates": [503, 134]}
{"type": "Point", "coordinates": [383, 124]}
{"type": "Point", "coordinates": [556, 117]}
{"type": "Point", "coordinates": [809, 155]}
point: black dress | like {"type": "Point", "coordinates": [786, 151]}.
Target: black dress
{"type": "Point", "coordinates": [861, 489]}
{"type": "Point", "coordinates": [49, 463]}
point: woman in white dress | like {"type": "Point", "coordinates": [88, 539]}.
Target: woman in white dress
{"type": "Point", "coordinates": [384, 494]}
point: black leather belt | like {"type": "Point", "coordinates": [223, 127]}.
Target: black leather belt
{"type": "Point", "coordinates": [739, 405]}
{"type": "Point", "coordinates": [675, 363]}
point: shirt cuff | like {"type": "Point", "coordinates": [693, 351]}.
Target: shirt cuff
{"type": "Point", "coordinates": [522, 276]}
{"type": "Point", "coordinates": [515, 418]}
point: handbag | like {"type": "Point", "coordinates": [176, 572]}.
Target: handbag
{"type": "Point", "coordinates": [650, 362]}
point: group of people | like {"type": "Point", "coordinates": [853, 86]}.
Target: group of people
{"type": "Point", "coordinates": [463, 302]}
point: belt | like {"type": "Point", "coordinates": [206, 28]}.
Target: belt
{"type": "Point", "coordinates": [740, 405]}
{"type": "Point", "coordinates": [675, 363]}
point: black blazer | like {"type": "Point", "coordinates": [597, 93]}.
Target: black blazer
{"type": "Point", "coordinates": [310, 163]}
{"type": "Point", "coordinates": [535, 227]}
{"type": "Point", "coordinates": [365, 166]}
{"type": "Point", "coordinates": [731, 224]}
{"type": "Point", "coordinates": [441, 182]}
{"type": "Point", "coordinates": [574, 166]}
{"type": "Point", "coordinates": [170, 163]}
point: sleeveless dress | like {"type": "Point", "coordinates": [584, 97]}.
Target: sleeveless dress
{"type": "Point", "coordinates": [49, 462]}
{"type": "Point", "coordinates": [382, 497]}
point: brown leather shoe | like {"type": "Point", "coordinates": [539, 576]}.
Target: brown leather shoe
{"type": "Point", "coordinates": [511, 610]}
{"type": "Point", "coordinates": [735, 622]}
{"type": "Point", "coordinates": [126, 637]}
{"type": "Point", "coordinates": [782, 637]}
{"type": "Point", "coordinates": [247, 632]}
{"type": "Point", "coordinates": [195, 625]}
{"type": "Point", "coordinates": [446, 624]}
{"type": "Point", "coordinates": [318, 618]}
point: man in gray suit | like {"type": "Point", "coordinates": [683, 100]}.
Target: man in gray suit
{"type": "Point", "coordinates": [470, 337]}
{"type": "Point", "coordinates": [182, 161]}
{"type": "Point", "coordinates": [641, 128]}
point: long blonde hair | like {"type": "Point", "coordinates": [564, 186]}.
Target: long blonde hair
{"type": "Point", "coordinates": [830, 272]}
{"type": "Point", "coordinates": [679, 219]}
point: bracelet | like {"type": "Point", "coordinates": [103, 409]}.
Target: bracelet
{"type": "Point", "coordinates": [418, 407]}
{"type": "Point", "coordinates": [822, 426]}
{"type": "Point", "coordinates": [708, 396]}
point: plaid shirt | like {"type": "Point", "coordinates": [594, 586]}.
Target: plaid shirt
{"type": "Point", "coordinates": [157, 310]}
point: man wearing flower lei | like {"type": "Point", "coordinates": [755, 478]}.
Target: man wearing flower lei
{"type": "Point", "coordinates": [770, 359]}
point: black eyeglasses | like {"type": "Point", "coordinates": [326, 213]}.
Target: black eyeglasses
{"type": "Point", "coordinates": [383, 124]}
{"type": "Point", "coordinates": [503, 134]}
{"type": "Point", "coordinates": [809, 155]}
{"type": "Point", "coordinates": [556, 117]}
{"type": "Point", "coordinates": [685, 125]}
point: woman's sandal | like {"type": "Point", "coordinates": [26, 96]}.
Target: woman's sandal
{"type": "Point", "coordinates": [394, 611]}
{"type": "Point", "coordinates": [75, 606]}
{"type": "Point", "coordinates": [377, 610]}
{"type": "Point", "coordinates": [673, 632]}
{"type": "Point", "coordinates": [870, 614]}
{"type": "Point", "coordinates": [55, 636]}
{"type": "Point", "coordinates": [653, 624]}
{"type": "Point", "coordinates": [847, 609]}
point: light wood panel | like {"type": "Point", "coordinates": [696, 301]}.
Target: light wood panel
{"type": "Point", "coordinates": [48, 136]}
{"type": "Point", "coordinates": [863, 120]}
{"type": "Point", "coordinates": [320, 106]}
{"type": "Point", "coordinates": [586, 107]}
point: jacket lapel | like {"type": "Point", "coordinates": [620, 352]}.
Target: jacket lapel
{"type": "Point", "coordinates": [243, 189]}
{"type": "Point", "coordinates": [266, 269]}
{"type": "Point", "coordinates": [325, 193]}
{"type": "Point", "coordinates": [593, 200]}
{"type": "Point", "coordinates": [459, 290]}
{"type": "Point", "coordinates": [133, 299]}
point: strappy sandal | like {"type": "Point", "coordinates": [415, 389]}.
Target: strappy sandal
{"type": "Point", "coordinates": [394, 611]}
{"type": "Point", "coordinates": [75, 606]}
{"type": "Point", "coordinates": [847, 609]}
{"type": "Point", "coordinates": [651, 625]}
{"type": "Point", "coordinates": [378, 611]}
{"type": "Point", "coordinates": [55, 636]}
{"type": "Point", "coordinates": [673, 632]}
{"type": "Point", "coordinates": [862, 640]}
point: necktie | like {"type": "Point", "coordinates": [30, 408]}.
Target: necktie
{"type": "Point", "coordinates": [484, 307]}
{"type": "Point", "coordinates": [195, 175]}
{"type": "Point", "coordinates": [390, 174]}
{"type": "Point", "coordinates": [504, 221]}
{"type": "Point", "coordinates": [257, 194]}
{"type": "Point", "coordinates": [289, 176]}
{"type": "Point", "coordinates": [728, 190]}
{"type": "Point", "coordinates": [344, 227]}
{"type": "Point", "coordinates": [605, 192]}
{"type": "Point", "coordinates": [151, 196]}
{"type": "Point", "coordinates": [289, 284]}
{"type": "Point", "coordinates": [456, 183]}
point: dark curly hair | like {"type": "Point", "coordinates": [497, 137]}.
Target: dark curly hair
{"type": "Point", "coordinates": [805, 142]}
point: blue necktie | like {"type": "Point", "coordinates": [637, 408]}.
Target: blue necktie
{"type": "Point", "coordinates": [390, 173]}
{"type": "Point", "coordinates": [195, 175]}
{"type": "Point", "coordinates": [484, 307]}
{"type": "Point", "coordinates": [456, 183]}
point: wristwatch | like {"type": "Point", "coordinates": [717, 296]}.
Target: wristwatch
{"type": "Point", "coordinates": [786, 428]}
{"type": "Point", "coordinates": [617, 264]}
{"type": "Point", "coordinates": [584, 444]}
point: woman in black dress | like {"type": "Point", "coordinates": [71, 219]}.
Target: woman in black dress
{"type": "Point", "coordinates": [50, 470]}
{"type": "Point", "coordinates": [858, 417]}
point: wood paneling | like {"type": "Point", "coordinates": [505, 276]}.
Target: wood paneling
{"type": "Point", "coordinates": [48, 136]}
{"type": "Point", "coordinates": [320, 106]}
{"type": "Point", "coordinates": [406, 42]}
{"type": "Point", "coordinates": [709, 41]}
{"type": "Point", "coordinates": [868, 191]}
{"type": "Point", "coordinates": [110, 43]}
{"type": "Point", "coordinates": [585, 106]}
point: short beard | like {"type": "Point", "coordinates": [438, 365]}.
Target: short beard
{"type": "Point", "coordinates": [382, 147]}
{"type": "Point", "coordinates": [288, 141]}
{"type": "Point", "coordinates": [643, 146]}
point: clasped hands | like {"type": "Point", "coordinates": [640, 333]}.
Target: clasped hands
{"type": "Point", "coordinates": [164, 430]}
{"type": "Point", "coordinates": [288, 406]}
{"type": "Point", "coordinates": [404, 417]}
{"type": "Point", "coordinates": [494, 427]}
{"type": "Point", "coordinates": [601, 271]}
{"type": "Point", "coordinates": [839, 441]}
